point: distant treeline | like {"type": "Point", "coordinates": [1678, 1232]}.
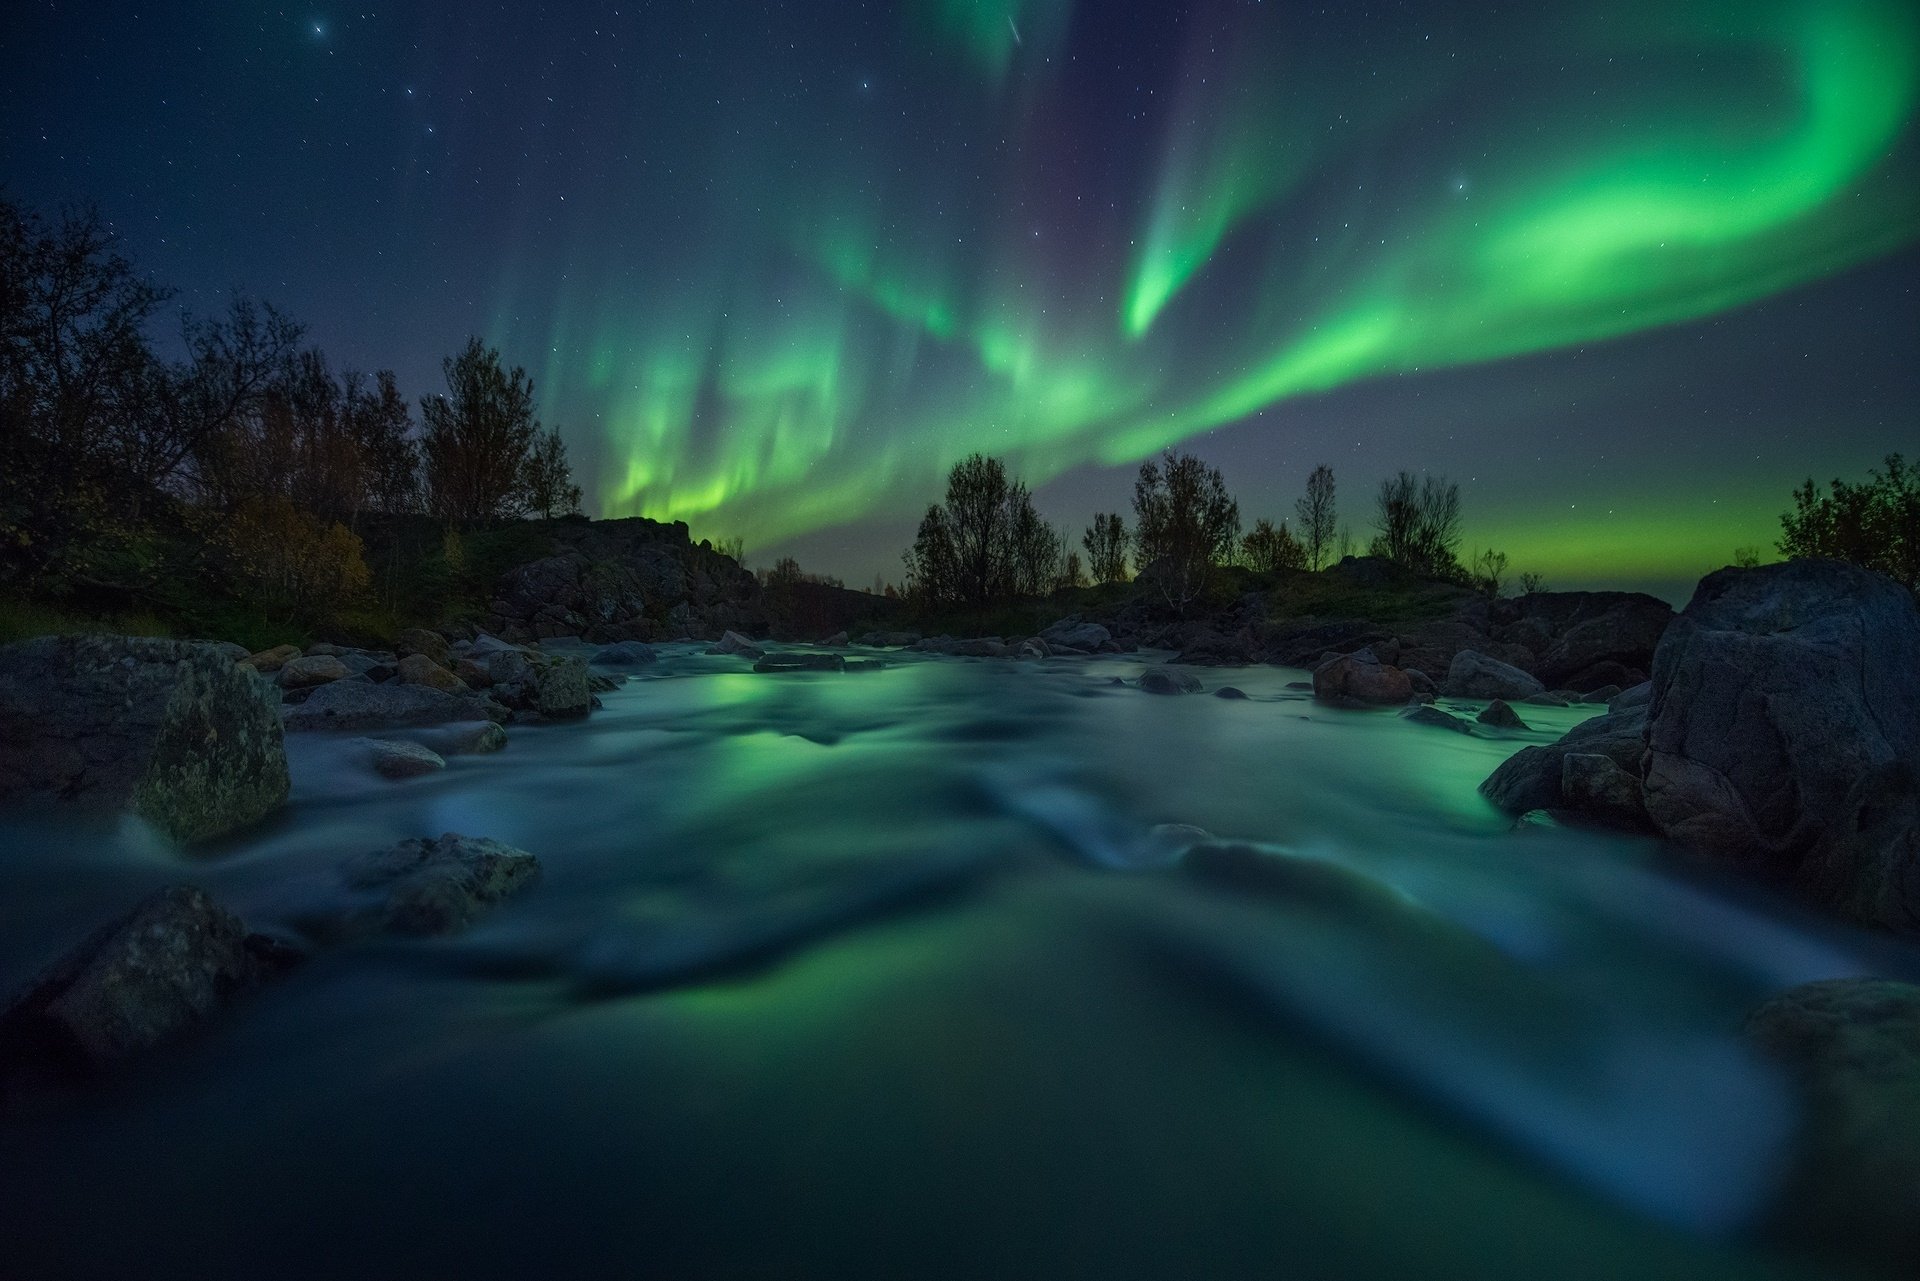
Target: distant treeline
{"type": "Point", "coordinates": [986, 543]}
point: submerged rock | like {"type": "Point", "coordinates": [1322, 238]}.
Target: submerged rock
{"type": "Point", "coordinates": [1164, 680]}
{"type": "Point", "coordinates": [1784, 733]}
{"type": "Point", "coordinates": [625, 654]}
{"type": "Point", "coordinates": [173, 730]}
{"type": "Point", "coordinates": [1474, 675]}
{"type": "Point", "coordinates": [396, 758]}
{"type": "Point", "coordinates": [171, 963]}
{"type": "Point", "coordinates": [1501, 716]}
{"type": "Point", "coordinates": [735, 643]}
{"type": "Point", "coordinates": [1232, 693]}
{"type": "Point", "coordinates": [793, 662]}
{"type": "Point", "coordinates": [1852, 1046]}
{"type": "Point", "coordinates": [424, 887]}
{"type": "Point", "coordinates": [1423, 714]}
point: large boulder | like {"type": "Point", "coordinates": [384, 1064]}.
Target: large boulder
{"type": "Point", "coordinates": [1783, 735]}
{"type": "Point", "coordinates": [1360, 680]}
{"type": "Point", "coordinates": [174, 730]}
{"type": "Point", "coordinates": [625, 654]}
{"type": "Point", "coordinates": [354, 705]}
{"type": "Point", "coordinates": [1852, 1046]}
{"type": "Point", "coordinates": [418, 640]}
{"type": "Point", "coordinates": [1075, 634]}
{"type": "Point", "coordinates": [1475, 675]}
{"type": "Point", "coordinates": [732, 642]}
{"type": "Point", "coordinates": [170, 963]}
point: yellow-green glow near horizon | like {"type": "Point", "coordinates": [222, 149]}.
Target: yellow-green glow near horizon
{"type": "Point", "coordinates": [864, 315]}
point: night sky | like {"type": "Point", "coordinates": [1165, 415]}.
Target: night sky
{"type": "Point", "coordinates": [1626, 271]}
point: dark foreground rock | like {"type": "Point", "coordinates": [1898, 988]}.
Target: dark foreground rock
{"type": "Point", "coordinates": [1784, 733]}
{"type": "Point", "coordinates": [1500, 715]}
{"type": "Point", "coordinates": [176, 731]}
{"type": "Point", "coordinates": [1168, 680]}
{"type": "Point", "coordinates": [1780, 736]}
{"type": "Point", "coordinates": [423, 887]}
{"type": "Point", "coordinates": [1852, 1046]}
{"type": "Point", "coordinates": [170, 964]}
{"type": "Point", "coordinates": [1424, 714]}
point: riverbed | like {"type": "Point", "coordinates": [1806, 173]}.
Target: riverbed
{"type": "Point", "coordinates": [894, 973]}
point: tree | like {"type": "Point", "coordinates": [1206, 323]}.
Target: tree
{"type": "Point", "coordinates": [734, 548]}
{"type": "Point", "coordinates": [1071, 574]}
{"type": "Point", "coordinates": [1318, 518]}
{"type": "Point", "coordinates": [476, 437]}
{"type": "Point", "coordinates": [985, 543]}
{"type": "Point", "coordinates": [1106, 544]}
{"type": "Point", "coordinates": [1875, 522]}
{"type": "Point", "coordinates": [382, 426]}
{"type": "Point", "coordinates": [1184, 524]}
{"type": "Point", "coordinates": [1269, 550]}
{"type": "Point", "coordinates": [1746, 557]}
{"type": "Point", "coordinates": [547, 478]}
{"type": "Point", "coordinates": [1419, 525]}
{"type": "Point", "coordinates": [1489, 571]}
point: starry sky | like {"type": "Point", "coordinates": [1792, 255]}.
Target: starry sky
{"type": "Point", "coordinates": [1626, 271]}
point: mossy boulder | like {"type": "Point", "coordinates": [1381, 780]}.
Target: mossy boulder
{"type": "Point", "coordinates": [173, 730]}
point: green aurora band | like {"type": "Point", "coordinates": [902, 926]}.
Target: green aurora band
{"type": "Point", "coordinates": [839, 330]}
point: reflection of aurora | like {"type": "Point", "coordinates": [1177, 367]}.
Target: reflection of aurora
{"type": "Point", "coordinates": [977, 264]}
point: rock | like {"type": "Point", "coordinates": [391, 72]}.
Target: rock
{"type": "Point", "coordinates": [325, 649]}
{"type": "Point", "coordinates": [1596, 637]}
{"type": "Point", "coordinates": [418, 669]}
{"type": "Point", "coordinates": [1532, 778]}
{"type": "Point", "coordinates": [1501, 716]}
{"type": "Point", "coordinates": [1163, 680]}
{"type": "Point", "coordinates": [1640, 695]}
{"type": "Point", "coordinates": [1299, 684]}
{"type": "Point", "coordinates": [351, 705]}
{"type": "Point", "coordinates": [272, 660]}
{"type": "Point", "coordinates": [396, 758]}
{"type": "Point", "coordinates": [173, 730]}
{"type": "Point", "coordinates": [1783, 736]}
{"type": "Point", "coordinates": [1230, 692]}
{"type": "Point", "coordinates": [171, 963]}
{"type": "Point", "coordinates": [230, 651]}
{"type": "Point", "coordinates": [474, 673]}
{"type": "Point", "coordinates": [735, 643]}
{"type": "Point", "coordinates": [625, 654]}
{"type": "Point", "coordinates": [1552, 698]}
{"type": "Point", "coordinates": [1852, 1047]}
{"type": "Point", "coordinates": [1474, 675]}
{"type": "Point", "coordinates": [1604, 694]}
{"type": "Point", "coordinates": [308, 671]}
{"type": "Point", "coordinates": [1421, 714]}
{"type": "Point", "coordinates": [423, 887]}
{"type": "Point", "coordinates": [1594, 785]}
{"type": "Point", "coordinates": [431, 646]}
{"type": "Point", "coordinates": [468, 738]}
{"type": "Point", "coordinates": [837, 640]}
{"type": "Point", "coordinates": [791, 662]}
{"type": "Point", "coordinates": [889, 640]}
{"type": "Point", "coordinates": [1033, 647]}
{"type": "Point", "coordinates": [1356, 680]}
{"type": "Point", "coordinates": [1075, 634]}
{"type": "Point", "coordinates": [551, 687]}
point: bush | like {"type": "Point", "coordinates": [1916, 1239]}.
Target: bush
{"type": "Point", "coordinates": [292, 563]}
{"type": "Point", "coordinates": [1875, 523]}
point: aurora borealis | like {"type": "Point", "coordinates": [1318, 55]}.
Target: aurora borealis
{"type": "Point", "coordinates": [1628, 271]}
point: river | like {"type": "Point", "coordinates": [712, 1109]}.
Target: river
{"type": "Point", "coordinates": [886, 973]}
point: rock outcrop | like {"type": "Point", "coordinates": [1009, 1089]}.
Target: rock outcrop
{"type": "Point", "coordinates": [174, 730]}
{"type": "Point", "coordinates": [1780, 736]}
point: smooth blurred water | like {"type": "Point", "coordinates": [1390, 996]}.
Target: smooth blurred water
{"type": "Point", "coordinates": [884, 974]}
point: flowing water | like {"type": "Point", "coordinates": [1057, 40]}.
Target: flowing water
{"type": "Point", "coordinates": [886, 973]}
